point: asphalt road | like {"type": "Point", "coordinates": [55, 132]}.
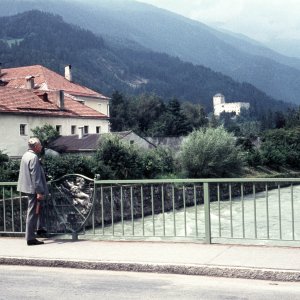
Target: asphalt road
{"type": "Point", "coordinates": [19, 282]}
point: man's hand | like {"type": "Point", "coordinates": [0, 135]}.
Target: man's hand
{"type": "Point", "coordinates": [39, 197]}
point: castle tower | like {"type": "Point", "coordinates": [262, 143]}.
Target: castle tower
{"type": "Point", "coordinates": [218, 99]}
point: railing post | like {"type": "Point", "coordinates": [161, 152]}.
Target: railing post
{"type": "Point", "coordinates": [207, 213]}
{"type": "Point", "coordinates": [74, 236]}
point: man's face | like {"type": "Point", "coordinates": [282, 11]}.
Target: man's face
{"type": "Point", "coordinates": [37, 148]}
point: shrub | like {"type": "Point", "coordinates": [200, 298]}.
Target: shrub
{"type": "Point", "coordinates": [3, 158]}
{"type": "Point", "coordinates": [57, 166]}
{"type": "Point", "coordinates": [9, 168]}
{"type": "Point", "coordinates": [45, 134]}
{"type": "Point", "coordinates": [117, 160]}
{"type": "Point", "coordinates": [211, 152]}
{"type": "Point", "coordinates": [281, 148]}
{"type": "Point", "coordinates": [157, 162]}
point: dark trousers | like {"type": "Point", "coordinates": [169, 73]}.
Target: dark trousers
{"type": "Point", "coordinates": [34, 221]}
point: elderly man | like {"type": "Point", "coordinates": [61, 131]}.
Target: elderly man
{"type": "Point", "coordinates": [32, 182]}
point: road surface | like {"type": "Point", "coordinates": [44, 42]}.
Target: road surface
{"type": "Point", "coordinates": [22, 282]}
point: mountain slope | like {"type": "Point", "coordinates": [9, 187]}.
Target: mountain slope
{"type": "Point", "coordinates": [42, 38]}
{"type": "Point", "coordinates": [253, 47]}
{"type": "Point", "coordinates": [175, 35]}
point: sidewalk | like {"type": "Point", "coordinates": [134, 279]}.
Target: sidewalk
{"type": "Point", "coordinates": [254, 262]}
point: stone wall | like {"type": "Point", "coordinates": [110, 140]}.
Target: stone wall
{"type": "Point", "coordinates": [173, 195]}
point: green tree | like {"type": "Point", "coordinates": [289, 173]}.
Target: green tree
{"type": "Point", "coordinates": [195, 115]}
{"type": "Point", "coordinates": [147, 111]}
{"type": "Point", "coordinates": [115, 159]}
{"type": "Point", "coordinates": [45, 134]}
{"type": "Point", "coordinates": [214, 121]}
{"type": "Point", "coordinates": [157, 162]}
{"type": "Point", "coordinates": [211, 152]}
{"type": "Point", "coordinates": [252, 154]}
{"type": "Point", "coordinates": [119, 112]}
{"type": "Point", "coordinates": [293, 118]}
{"type": "Point", "coordinates": [279, 119]}
{"type": "Point", "coordinates": [229, 121]}
{"type": "Point", "coordinates": [281, 148]}
{"type": "Point", "coordinates": [176, 122]}
{"type": "Point", "coordinates": [250, 129]}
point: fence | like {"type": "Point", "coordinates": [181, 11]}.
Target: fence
{"type": "Point", "coordinates": [206, 210]}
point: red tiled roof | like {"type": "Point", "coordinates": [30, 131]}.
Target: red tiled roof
{"type": "Point", "coordinates": [24, 101]}
{"type": "Point", "coordinates": [46, 80]}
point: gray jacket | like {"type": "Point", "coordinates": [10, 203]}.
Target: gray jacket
{"type": "Point", "coordinates": [32, 178]}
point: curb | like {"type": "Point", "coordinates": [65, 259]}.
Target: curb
{"type": "Point", "coordinates": [186, 269]}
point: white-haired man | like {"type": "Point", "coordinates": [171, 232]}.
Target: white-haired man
{"type": "Point", "coordinates": [32, 182]}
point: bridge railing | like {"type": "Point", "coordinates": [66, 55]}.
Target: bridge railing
{"type": "Point", "coordinates": [199, 209]}
{"type": "Point", "coordinates": [12, 209]}
{"type": "Point", "coordinates": [208, 210]}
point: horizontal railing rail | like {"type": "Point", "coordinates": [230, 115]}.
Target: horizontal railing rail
{"type": "Point", "coordinates": [251, 210]}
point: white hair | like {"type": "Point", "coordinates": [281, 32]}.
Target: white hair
{"type": "Point", "coordinates": [33, 141]}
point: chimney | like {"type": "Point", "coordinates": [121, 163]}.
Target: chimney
{"type": "Point", "coordinates": [68, 73]}
{"type": "Point", "coordinates": [61, 99]}
{"type": "Point", "coordinates": [29, 82]}
{"type": "Point", "coordinates": [80, 132]}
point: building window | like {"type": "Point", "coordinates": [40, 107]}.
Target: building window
{"type": "Point", "coordinates": [86, 129]}
{"type": "Point", "coordinates": [98, 129]}
{"type": "Point", "coordinates": [23, 129]}
{"type": "Point", "coordinates": [131, 142]}
{"type": "Point", "coordinates": [73, 129]}
{"type": "Point", "coordinates": [58, 128]}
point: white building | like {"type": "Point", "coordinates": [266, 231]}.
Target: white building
{"type": "Point", "coordinates": [221, 106]}
{"type": "Point", "coordinates": [39, 96]}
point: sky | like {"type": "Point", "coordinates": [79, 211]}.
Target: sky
{"type": "Point", "coordinates": [262, 20]}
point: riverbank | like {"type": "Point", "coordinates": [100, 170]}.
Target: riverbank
{"type": "Point", "coordinates": [266, 172]}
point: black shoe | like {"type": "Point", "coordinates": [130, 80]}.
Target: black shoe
{"type": "Point", "coordinates": [34, 242]}
{"type": "Point", "coordinates": [41, 232]}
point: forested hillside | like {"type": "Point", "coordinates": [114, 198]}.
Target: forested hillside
{"type": "Point", "coordinates": [35, 37]}
{"type": "Point", "coordinates": [132, 23]}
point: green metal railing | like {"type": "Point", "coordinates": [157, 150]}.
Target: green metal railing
{"type": "Point", "coordinates": [12, 209]}
{"type": "Point", "coordinates": [208, 210]}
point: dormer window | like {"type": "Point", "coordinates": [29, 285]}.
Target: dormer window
{"type": "Point", "coordinates": [3, 83]}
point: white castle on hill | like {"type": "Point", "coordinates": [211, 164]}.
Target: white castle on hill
{"type": "Point", "coordinates": [221, 106]}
